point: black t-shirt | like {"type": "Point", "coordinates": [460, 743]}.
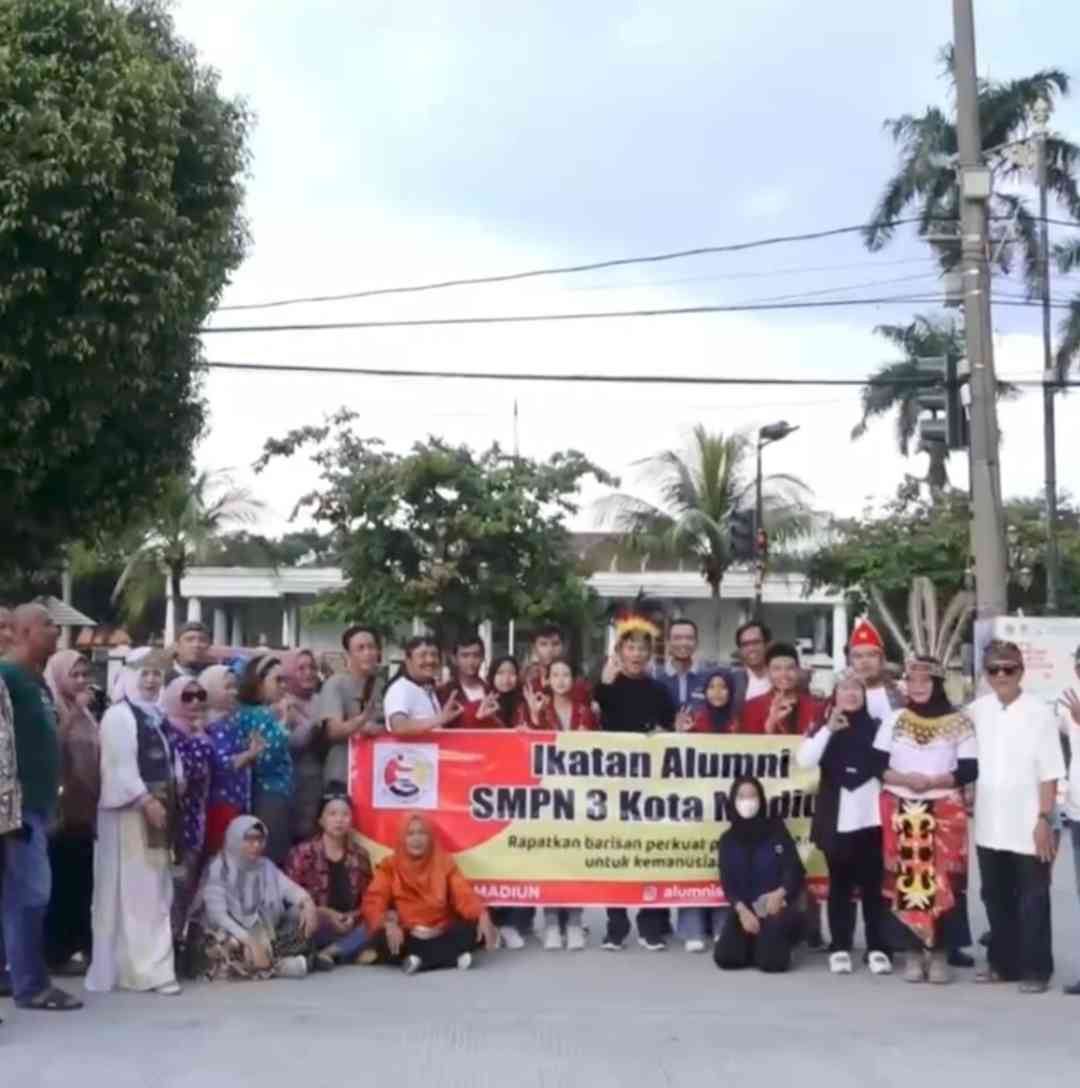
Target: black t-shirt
{"type": "Point", "coordinates": [636, 704]}
{"type": "Point", "coordinates": [341, 896]}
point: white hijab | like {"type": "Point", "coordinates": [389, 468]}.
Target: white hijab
{"type": "Point", "coordinates": [127, 686]}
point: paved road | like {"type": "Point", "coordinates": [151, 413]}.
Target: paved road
{"type": "Point", "coordinates": [533, 1018]}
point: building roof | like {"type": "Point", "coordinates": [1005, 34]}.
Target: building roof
{"type": "Point", "coordinates": [66, 616]}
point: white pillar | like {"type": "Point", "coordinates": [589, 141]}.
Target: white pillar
{"type": "Point", "coordinates": [221, 626]}
{"type": "Point", "coordinates": [286, 626]}
{"type": "Point", "coordinates": [194, 610]}
{"type": "Point", "coordinates": [295, 623]}
{"type": "Point", "coordinates": [65, 596]}
{"type": "Point", "coordinates": [417, 626]}
{"type": "Point", "coordinates": [839, 634]}
{"type": "Point", "coordinates": [486, 635]}
{"type": "Point", "coordinates": [237, 627]}
{"type": "Point", "coordinates": [170, 612]}
{"type": "Point", "coordinates": [511, 632]}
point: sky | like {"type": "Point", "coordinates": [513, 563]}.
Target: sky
{"type": "Point", "coordinates": [407, 143]}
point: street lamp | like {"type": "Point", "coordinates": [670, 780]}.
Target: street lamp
{"type": "Point", "coordinates": [773, 432]}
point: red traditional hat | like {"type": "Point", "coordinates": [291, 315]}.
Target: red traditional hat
{"type": "Point", "coordinates": [866, 634]}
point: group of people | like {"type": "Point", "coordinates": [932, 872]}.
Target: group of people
{"type": "Point", "coordinates": [204, 827]}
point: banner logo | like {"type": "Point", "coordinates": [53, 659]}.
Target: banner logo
{"type": "Point", "coordinates": [406, 776]}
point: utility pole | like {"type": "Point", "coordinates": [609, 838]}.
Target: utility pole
{"type": "Point", "coordinates": [1042, 117]}
{"type": "Point", "coordinates": [987, 526]}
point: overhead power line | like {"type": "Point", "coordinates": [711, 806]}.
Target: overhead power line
{"type": "Point", "coordinates": [563, 270]}
{"type": "Point", "coordinates": [632, 379]}
{"type": "Point", "coordinates": [595, 315]}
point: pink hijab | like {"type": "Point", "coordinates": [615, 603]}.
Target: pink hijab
{"type": "Point", "coordinates": [58, 677]}
{"type": "Point", "coordinates": [173, 704]}
{"type": "Point", "coordinates": [305, 701]}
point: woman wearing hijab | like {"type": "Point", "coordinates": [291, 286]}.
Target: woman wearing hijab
{"type": "Point", "coordinates": [717, 713]}
{"type": "Point", "coordinates": [259, 923]}
{"type": "Point", "coordinates": [307, 741]}
{"type": "Point", "coordinates": [847, 823]}
{"type": "Point", "coordinates": [927, 755]}
{"type": "Point", "coordinates": [763, 877]}
{"type": "Point", "coordinates": [335, 870]}
{"type": "Point", "coordinates": [438, 918]}
{"type": "Point", "coordinates": [234, 753]}
{"type": "Point", "coordinates": [184, 704]}
{"type": "Point", "coordinates": [265, 709]}
{"type": "Point", "coordinates": [71, 844]}
{"type": "Point", "coordinates": [136, 824]}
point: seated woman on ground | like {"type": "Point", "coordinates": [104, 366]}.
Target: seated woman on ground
{"type": "Point", "coordinates": [335, 870]}
{"type": "Point", "coordinates": [762, 876]}
{"type": "Point", "coordinates": [259, 923]}
{"type": "Point", "coordinates": [438, 919]}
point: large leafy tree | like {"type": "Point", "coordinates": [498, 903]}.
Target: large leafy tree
{"type": "Point", "coordinates": [910, 536]}
{"type": "Point", "coordinates": [192, 511]}
{"type": "Point", "coordinates": [698, 491]}
{"type": "Point", "coordinates": [121, 183]}
{"type": "Point", "coordinates": [443, 533]}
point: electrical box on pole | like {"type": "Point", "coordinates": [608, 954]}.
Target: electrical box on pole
{"type": "Point", "coordinates": [741, 535]}
{"type": "Point", "coordinates": [941, 397]}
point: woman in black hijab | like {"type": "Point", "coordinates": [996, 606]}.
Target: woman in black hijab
{"type": "Point", "coordinates": [847, 823]}
{"type": "Point", "coordinates": [763, 877]}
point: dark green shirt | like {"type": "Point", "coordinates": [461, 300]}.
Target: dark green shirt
{"type": "Point", "coordinates": [37, 738]}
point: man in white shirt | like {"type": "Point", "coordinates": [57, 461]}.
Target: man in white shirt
{"type": "Point", "coordinates": [410, 704]}
{"type": "Point", "coordinates": [1020, 762]}
{"type": "Point", "coordinates": [752, 675]}
{"type": "Point", "coordinates": [1069, 712]}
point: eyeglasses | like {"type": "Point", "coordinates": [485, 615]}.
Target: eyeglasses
{"type": "Point", "coordinates": [193, 696]}
{"type": "Point", "coordinates": [1002, 670]}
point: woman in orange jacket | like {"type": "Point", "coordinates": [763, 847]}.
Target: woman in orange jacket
{"type": "Point", "coordinates": [438, 920]}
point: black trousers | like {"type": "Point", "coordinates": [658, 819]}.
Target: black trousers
{"type": "Point", "coordinates": [67, 919]}
{"type": "Point", "coordinates": [521, 918]}
{"type": "Point", "coordinates": [434, 952]}
{"type": "Point", "coordinates": [1016, 891]}
{"type": "Point", "coordinates": [652, 924]}
{"type": "Point", "coordinates": [769, 950]}
{"type": "Point", "coordinates": [856, 864]}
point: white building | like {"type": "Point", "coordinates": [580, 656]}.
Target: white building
{"type": "Point", "coordinates": [263, 605]}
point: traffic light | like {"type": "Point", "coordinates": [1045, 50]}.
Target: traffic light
{"type": "Point", "coordinates": [741, 534]}
{"type": "Point", "coordinates": [941, 396]}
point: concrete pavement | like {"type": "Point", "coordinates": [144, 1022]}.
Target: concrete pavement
{"type": "Point", "coordinates": [535, 1018]}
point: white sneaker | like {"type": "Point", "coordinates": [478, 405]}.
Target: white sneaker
{"type": "Point", "coordinates": [840, 963]}
{"type": "Point", "coordinates": [511, 938]}
{"type": "Point", "coordinates": [879, 963]}
{"type": "Point", "coordinates": [575, 938]}
{"type": "Point", "coordinates": [291, 967]}
{"type": "Point", "coordinates": [169, 989]}
{"type": "Point", "coordinates": [695, 944]}
{"type": "Point", "coordinates": [552, 939]}
{"type": "Point", "coordinates": [411, 965]}
{"type": "Point", "coordinates": [464, 961]}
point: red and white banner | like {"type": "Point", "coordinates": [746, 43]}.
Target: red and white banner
{"type": "Point", "coordinates": [577, 819]}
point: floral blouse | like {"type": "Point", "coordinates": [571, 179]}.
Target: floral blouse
{"type": "Point", "coordinates": [309, 866]}
{"type": "Point", "coordinates": [273, 771]}
{"type": "Point", "coordinates": [229, 786]}
{"type": "Point", "coordinates": [196, 755]}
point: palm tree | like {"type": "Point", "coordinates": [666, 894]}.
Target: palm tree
{"type": "Point", "coordinates": [193, 509]}
{"type": "Point", "coordinates": [699, 490]}
{"type": "Point", "coordinates": [926, 181]}
{"type": "Point", "coordinates": [892, 387]}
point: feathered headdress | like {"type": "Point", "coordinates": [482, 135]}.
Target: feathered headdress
{"type": "Point", "coordinates": [631, 619]}
{"type": "Point", "coordinates": [934, 636]}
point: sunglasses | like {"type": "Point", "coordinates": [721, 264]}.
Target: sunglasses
{"type": "Point", "coordinates": [193, 696]}
{"type": "Point", "coordinates": [1002, 670]}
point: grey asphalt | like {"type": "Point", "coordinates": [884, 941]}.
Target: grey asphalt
{"type": "Point", "coordinates": [551, 1019]}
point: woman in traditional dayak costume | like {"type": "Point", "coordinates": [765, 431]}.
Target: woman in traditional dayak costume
{"type": "Point", "coordinates": [928, 755]}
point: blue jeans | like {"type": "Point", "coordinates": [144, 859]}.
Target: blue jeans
{"type": "Point", "coordinates": [24, 898]}
{"type": "Point", "coordinates": [347, 944]}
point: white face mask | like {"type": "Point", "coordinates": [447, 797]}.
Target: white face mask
{"type": "Point", "coordinates": [747, 807]}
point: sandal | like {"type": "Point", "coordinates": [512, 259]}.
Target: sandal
{"type": "Point", "coordinates": [52, 1000]}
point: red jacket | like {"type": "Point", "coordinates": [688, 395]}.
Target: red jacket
{"type": "Point", "coordinates": [581, 717]}
{"type": "Point", "coordinates": [703, 722]}
{"type": "Point", "coordinates": [755, 713]}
